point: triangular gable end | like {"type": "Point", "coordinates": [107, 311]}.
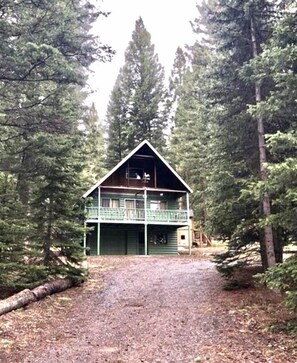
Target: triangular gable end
{"type": "Point", "coordinates": [134, 151]}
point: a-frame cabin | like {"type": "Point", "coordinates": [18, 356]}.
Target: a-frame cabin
{"type": "Point", "coordinates": [137, 207]}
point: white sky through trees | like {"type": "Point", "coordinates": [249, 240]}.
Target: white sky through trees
{"type": "Point", "coordinates": [168, 22]}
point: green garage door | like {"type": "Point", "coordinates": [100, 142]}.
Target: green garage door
{"type": "Point", "coordinates": [113, 242]}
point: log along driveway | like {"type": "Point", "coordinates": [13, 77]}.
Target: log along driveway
{"type": "Point", "coordinates": [148, 309]}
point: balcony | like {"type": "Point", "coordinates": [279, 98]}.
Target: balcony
{"type": "Point", "coordinates": [131, 215]}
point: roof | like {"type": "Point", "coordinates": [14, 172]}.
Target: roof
{"type": "Point", "coordinates": [134, 151]}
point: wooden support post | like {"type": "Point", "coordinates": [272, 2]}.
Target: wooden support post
{"type": "Point", "coordinates": [145, 240]}
{"type": "Point", "coordinates": [188, 219]}
{"type": "Point", "coordinates": [190, 240]}
{"type": "Point", "coordinates": [98, 239]}
{"type": "Point", "coordinates": [98, 226]}
{"type": "Point", "coordinates": [145, 223]}
{"type": "Point", "coordinates": [85, 239]}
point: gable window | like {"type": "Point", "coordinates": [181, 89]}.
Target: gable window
{"type": "Point", "coordinates": [134, 173]}
{"type": "Point", "coordinates": [110, 203]}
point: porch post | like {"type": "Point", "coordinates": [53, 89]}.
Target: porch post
{"type": "Point", "coordinates": [188, 220]}
{"type": "Point", "coordinates": [98, 227]}
{"type": "Point", "coordinates": [98, 239]}
{"type": "Point", "coordinates": [145, 221]}
{"type": "Point", "coordinates": [85, 239]}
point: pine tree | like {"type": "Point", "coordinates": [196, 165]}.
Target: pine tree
{"type": "Point", "coordinates": [137, 104]}
{"type": "Point", "coordinates": [56, 209]}
{"type": "Point", "coordinates": [234, 149]}
{"type": "Point", "coordinates": [119, 140]}
{"type": "Point", "coordinates": [46, 49]}
{"type": "Point", "coordinates": [190, 133]}
{"type": "Point", "coordinates": [277, 65]}
{"type": "Point", "coordinates": [94, 148]}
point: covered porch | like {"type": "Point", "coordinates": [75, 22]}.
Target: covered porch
{"type": "Point", "coordinates": [131, 239]}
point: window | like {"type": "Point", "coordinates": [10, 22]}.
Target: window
{"type": "Point", "coordinates": [115, 203]}
{"type": "Point", "coordinates": [110, 203]}
{"type": "Point", "coordinates": [159, 239]}
{"type": "Point", "coordinates": [105, 202]}
{"type": "Point", "coordinates": [134, 173]}
{"type": "Point", "coordinates": [134, 209]}
{"type": "Point", "coordinates": [183, 237]}
{"type": "Point", "coordinates": [134, 203]}
{"type": "Point", "coordinates": [158, 204]}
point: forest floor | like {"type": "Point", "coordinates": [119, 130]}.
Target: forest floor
{"type": "Point", "coordinates": [150, 309]}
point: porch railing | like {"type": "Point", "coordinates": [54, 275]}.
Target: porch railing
{"type": "Point", "coordinates": [132, 214]}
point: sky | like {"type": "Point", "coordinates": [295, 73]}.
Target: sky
{"type": "Point", "coordinates": [168, 22]}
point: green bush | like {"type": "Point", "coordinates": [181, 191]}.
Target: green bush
{"type": "Point", "coordinates": [283, 277]}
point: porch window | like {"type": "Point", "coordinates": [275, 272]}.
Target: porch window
{"type": "Point", "coordinates": [110, 203]}
{"type": "Point", "coordinates": [158, 205]}
{"type": "Point", "coordinates": [134, 209]}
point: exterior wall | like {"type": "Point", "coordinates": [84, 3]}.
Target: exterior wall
{"type": "Point", "coordinates": [126, 240]}
{"type": "Point", "coordinates": [185, 235]}
{"type": "Point", "coordinates": [92, 239]}
{"type": "Point", "coordinates": [112, 242]}
{"type": "Point", "coordinates": [169, 248]}
{"type": "Point", "coordinates": [171, 202]}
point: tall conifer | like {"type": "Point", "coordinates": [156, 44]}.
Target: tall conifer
{"type": "Point", "coordinates": [136, 110]}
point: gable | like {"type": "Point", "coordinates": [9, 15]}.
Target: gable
{"type": "Point", "coordinates": [142, 161]}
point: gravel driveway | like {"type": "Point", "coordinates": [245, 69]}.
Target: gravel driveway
{"type": "Point", "coordinates": [150, 309]}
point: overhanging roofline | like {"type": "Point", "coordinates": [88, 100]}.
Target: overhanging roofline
{"type": "Point", "coordinates": [145, 142]}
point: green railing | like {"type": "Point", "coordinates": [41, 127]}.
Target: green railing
{"type": "Point", "coordinates": [132, 214]}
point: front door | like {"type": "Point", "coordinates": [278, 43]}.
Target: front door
{"type": "Point", "coordinates": [141, 250]}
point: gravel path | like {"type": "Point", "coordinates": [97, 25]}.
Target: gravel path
{"type": "Point", "coordinates": [150, 309]}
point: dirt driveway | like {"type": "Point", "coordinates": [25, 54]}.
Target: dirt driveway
{"type": "Point", "coordinates": [147, 309]}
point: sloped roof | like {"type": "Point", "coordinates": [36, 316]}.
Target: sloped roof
{"type": "Point", "coordinates": [134, 151]}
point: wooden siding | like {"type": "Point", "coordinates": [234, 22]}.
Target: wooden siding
{"type": "Point", "coordinates": [112, 242]}
{"type": "Point", "coordinates": [124, 240]}
{"type": "Point", "coordinates": [92, 239]}
{"type": "Point", "coordinates": [132, 242]}
{"type": "Point", "coordinates": [171, 201]}
{"type": "Point", "coordinates": [170, 248]}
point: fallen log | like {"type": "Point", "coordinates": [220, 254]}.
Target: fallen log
{"type": "Point", "coordinates": [17, 301]}
{"type": "Point", "coordinates": [52, 287]}
{"type": "Point", "coordinates": [27, 296]}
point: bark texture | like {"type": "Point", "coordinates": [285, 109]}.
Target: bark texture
{"type": "Point", "coordinates": [266, 207]}
{"type": "Point", "coordinates": [27, 296]}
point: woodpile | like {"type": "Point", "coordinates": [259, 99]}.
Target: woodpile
{"type": "Point", "coordinates": [27, 296]}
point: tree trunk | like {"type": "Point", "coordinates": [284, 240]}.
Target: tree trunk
{"type": "Point", "coordinates": [52, 287]}
{"type": "Point", "coordinates": [266, 208]}
{"type": "Point", "coordinates": [27, 296]}
{"type": "Point", "coordinates": [16, 301]}
{"type": "Point", "coordinates": [48, 236]}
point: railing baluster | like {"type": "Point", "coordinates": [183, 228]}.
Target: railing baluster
{"type": "Point", "coordinates": [120, 214]}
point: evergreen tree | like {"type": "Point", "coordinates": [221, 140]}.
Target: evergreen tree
{"type": "Point", "coordinates": [277, 65]}
{"type": "Point", "coordinates": [137, 106]}
{"type": "Point", "coordinates": [119, 140]}
{"type": "Point", "coordinates": [46, 49]}
{"type": "Point", "coordinates": [190, 134]}
{"type": "Point", "coordinates": [94, 149]}
{"type": "Point", "coordinates": [56, 210]}
{"type": "Point", "coordinates": [238, 28]}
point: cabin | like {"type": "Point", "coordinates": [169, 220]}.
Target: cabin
{"type": "Point", "coordinates": [137, 208]}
